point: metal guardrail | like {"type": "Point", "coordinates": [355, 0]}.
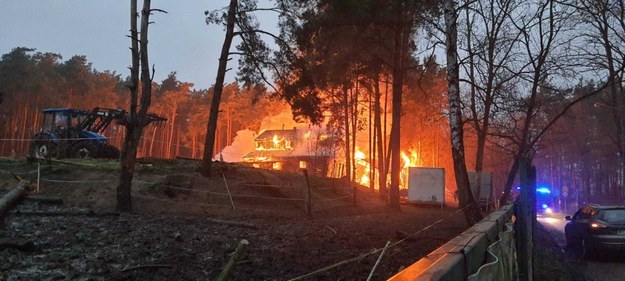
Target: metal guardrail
{"type": "Point", "coordinates": [461, 256]}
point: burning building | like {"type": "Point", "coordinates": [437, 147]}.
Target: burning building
{"type": "Point", "coordinates": [290, 150]}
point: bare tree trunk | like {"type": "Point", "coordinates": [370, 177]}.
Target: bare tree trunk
{"type": "Point", "coordinates": [471, 210]}
{"type": "Point", "coordinates": [380, 143]}
{"type": "Point", "coordinates": [394, 142]}
{"type": "Point", "coordinates": [348, 151]}
{"type": "Point", "coordinates": [353, 106]}
{"type": "Point", "coordinates": [209, 144]}
{"type": "Point", "coordinates": [371, 142]}
{"type": "Point", "coordinates": [170, 142]}
{"type": "Point", "coordinates": [136, 120]}
{"type": "Point", "coordinates": [128, 152]}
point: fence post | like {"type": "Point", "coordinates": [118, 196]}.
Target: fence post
{"type": "Point", "coordinates": [307, 200]}
{"type": "Point", "coordinates": [38, 176]}
{"type": "Point", "coordinates": [526, 217]}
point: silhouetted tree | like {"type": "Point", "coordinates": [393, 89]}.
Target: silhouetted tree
{"type": "Point", "coordinates": [137, 114]}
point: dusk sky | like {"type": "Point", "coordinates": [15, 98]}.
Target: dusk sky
{"type": "Point", "coordinates": [179, 40]}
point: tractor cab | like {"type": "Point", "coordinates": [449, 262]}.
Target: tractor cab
{"type": "Point", "coordinates": [77, 133]}
{"type": "Point", "coordinates": [63, 122]}
{"type": "Point", "coordinates": [68, 132]}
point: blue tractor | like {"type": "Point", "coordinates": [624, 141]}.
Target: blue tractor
{"type": "Point", "coordinates": [77, 133]}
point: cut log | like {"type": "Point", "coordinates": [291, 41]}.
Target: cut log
{"type": "Point", "coordinates": [64, 213]}
{"type": "Point", "coordinates": [146, 266]}
{"type": "Point", "coordinates": [235, 223]}
{"type": "Point", "coordinates": [14, 197]}
{"type": "Point", "coordinates": [45, 199]}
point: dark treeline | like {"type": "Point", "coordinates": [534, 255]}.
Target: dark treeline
{"type": "Point", "coordinates": [580, 153]}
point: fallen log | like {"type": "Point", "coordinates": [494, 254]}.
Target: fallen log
{"type": "Point", "coordinates": [234, 223]}
{"type": "Point", "coordinates": [14, 197]}
{"type": "Point", "coordinates": [146, 266]}
{"type": "Point", "coordinates": [44, 199]}
{"type": "Point", "coordinates": [64, 213]}
{"type": "Point", "coordinates": [24, 246]}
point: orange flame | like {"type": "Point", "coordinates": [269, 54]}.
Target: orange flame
{"type": "Point", "coordinates": [409, 161]}
{"type": "Point", "coordinates": [359, 159]}
{"type": "Point", "coordinates": [277, 143]}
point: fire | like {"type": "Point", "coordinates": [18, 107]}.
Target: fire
{"type": "Point", "coordinates": [411, 160]}
{"type": "Point", "coordinates": [365, 178]}
{"type": "Point", "coordinates": [359, 155]}
{"type": "Point", "coordinates": [276, 143]}
{"type": "Point", "coordinates": [363, 167]}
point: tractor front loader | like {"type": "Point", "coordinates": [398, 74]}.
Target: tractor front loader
{"type": "Point", "coordinates": [77, 133]}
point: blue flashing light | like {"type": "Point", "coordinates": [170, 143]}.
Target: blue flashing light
{"type": "Point", "coordinates": [543, 190]}
{"type": "Point", "coordinates": [545, 206]}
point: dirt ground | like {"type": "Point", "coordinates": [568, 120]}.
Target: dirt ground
{"type": "Point", "coordinates": [184, 226]}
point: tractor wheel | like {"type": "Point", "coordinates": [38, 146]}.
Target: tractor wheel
{"type": "Point", "coordinates": [84, 149]}
{"type": "Point", "coordinates": [42, 147]}
{"type": "Point", "coordinates": [109, 151]}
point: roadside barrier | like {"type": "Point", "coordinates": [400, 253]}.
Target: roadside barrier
{"type": "Point", "coordinates": [462, 258]}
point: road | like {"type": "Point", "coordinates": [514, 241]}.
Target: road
{"type": "Point", "coordinates": [609, 267]}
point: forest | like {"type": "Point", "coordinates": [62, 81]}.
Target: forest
{"type": "Point", "coordinates": [532, 83]}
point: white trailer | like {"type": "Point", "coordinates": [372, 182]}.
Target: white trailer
{"type": "Point", "coordinates": [426, 185]}
{"type": "Point", "coordinates": [485, 187]}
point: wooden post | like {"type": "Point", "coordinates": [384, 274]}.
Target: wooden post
{"type": "Point", "coordinates": [378, 261]}
{"type": "Point", "coordinates": [38, 176]}
{"type": "Point", "coordinates": [307, 200]}
{"type": "Point", "coordinates": [228, 189]}
{"type": "Point", "coordinates": [525, 245]}
{"type": "Point", "coordinates": [235, 256]}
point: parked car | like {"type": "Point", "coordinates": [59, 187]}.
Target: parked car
{"type": "Point", "coordinates": [595, 227]}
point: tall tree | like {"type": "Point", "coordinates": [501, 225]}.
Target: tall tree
{"type": "Point", "coordinates": [603, 52]}
{"type": "Point", "coordinates": [333, 60]}
{"type": "Point", "coordinates": [543, 35]}
{"type": "Point", "coordinates": [490, 45]}
{"type": "Point", "coordinates": [138, 113]}
{"type": "Point", "coordinates": [209, 143]}
{"type": "Point", "coordinates": [465, 196]}
{"type": "Point", "coordinates": [253, 53]}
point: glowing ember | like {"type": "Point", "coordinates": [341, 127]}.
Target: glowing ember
{"type": "Point", "coordinates": [277, 166]}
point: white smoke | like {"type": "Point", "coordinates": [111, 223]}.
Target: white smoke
{"type": "Point", "coordinates": [243, 143]}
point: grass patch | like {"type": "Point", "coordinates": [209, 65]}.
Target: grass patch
{"type": "Point", "coordinates": [549, 260]}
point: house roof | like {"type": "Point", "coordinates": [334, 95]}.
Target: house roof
{"type": "Point", "coordinates": [268, 134]}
